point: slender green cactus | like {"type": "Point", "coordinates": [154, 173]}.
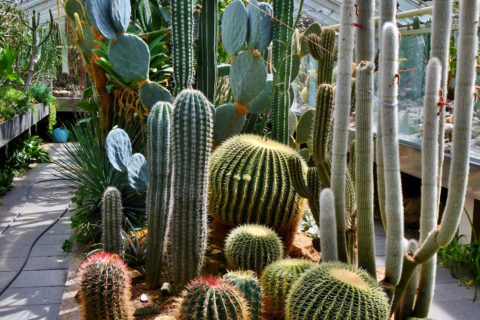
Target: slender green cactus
{"type": "Point", "coordinates": [245, 170]}
{"type": "Point", "coordinates": [182, 43]}
{"type": "Point", "coordinates": [328, 236]}
{"type": "Point", "coordinates": [336, 291]}
{"type": "Point", "coordinates": [207, 53]}
{"type": "Point", "coordinates": [307, 188]}
{"type": "Point", "coordinates": [322, 49]}
{"type": "Point", "coordinates": [252, 247]}
{"type": "Point", "coordinates": [248, 284]}
{"type": "Point", "coordinates": [112, 220]}
{"type": "Point", "coordinates": [159, 195]}
{"type": "Point", "coordinates": [104, 291]}
{"type": "Point", "coordinates": [211, 298]}
{"type": "Point", "coordinates": [276, 281]}
{"type": "Point", "coordinates": [192, 143]}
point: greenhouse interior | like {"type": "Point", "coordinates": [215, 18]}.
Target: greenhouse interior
{"type": "Point", "coordinates": [239, 159]}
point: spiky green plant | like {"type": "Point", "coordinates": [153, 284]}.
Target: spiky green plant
{"type": "Point", "coordinates": [336, 291]}
{"type": "Point", "coordinates": [248, 284]}
{"type": "Point", "coordinates": [104, 291]}
{"type": "Point", "coordinates": [321, 48]}
{"type": "Point", "coordinates": [112, 218]}
{"type": "Point", "coordinates": [211, 298]}
{"type": "Point", "coordinates": [252, 247]}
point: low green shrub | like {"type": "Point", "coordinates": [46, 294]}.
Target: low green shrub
{"type": "Point", "coordinates": [6, 179]}
{"type": "Point", "coordinates": [13, 102]}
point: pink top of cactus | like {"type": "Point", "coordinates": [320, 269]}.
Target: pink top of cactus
{"type": "Point", "coordinates": [102, 258]}
{"type": "Point", "coordinates": [209, 280]}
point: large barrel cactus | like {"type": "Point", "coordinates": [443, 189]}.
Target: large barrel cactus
{"type": "Point", "coordinates": [249, 286]}
{"type": "Point", "coordinates": [248, 184]}
{"type": "Point", "coordinates": [112, 212]}
{"type": "Point", "coordinates": [211, 298]}
{"type": "Point", "coordinates": [104, 288]}
{"type": "Point", "coordinates": [336, 291]}
{"type": "Point", "coordinates": [191, 147]}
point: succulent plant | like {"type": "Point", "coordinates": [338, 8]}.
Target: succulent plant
{"type": "Point", "coordinates": [104, 291]}
{"type": "Point", "coordinates": [244, 171]}
{"type": "Point", "coordinates": [252, 247]}
{"type": "Point", "coordinates": [322, 49]}
{"type": "Point", "coordinates": [112, 219]}
{"type": "Point", "coordinates": [336, 291]}
{"type": "Point", "coordinates": [276, 281]}
{"type": "Point", "coordinates": [159, 195]}
{"type": "Point", "coordinates": [211, 298]}
{"type": "Point", "coordinates": [192, 135]}
{"type": "Point", "coordinates": [248, 284]}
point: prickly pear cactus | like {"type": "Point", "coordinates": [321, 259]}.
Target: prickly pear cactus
{"type": "Point", "coordinates": [119, 149]}
{"type": "Point", "coordinates": [234, 27]}
{"type": "Point", "coordinates": [112, 218]}
{"type": "Point", "coordinates": [248, 284]}
{"type": "Point", "coordinates": [152, 92]}
{"type": "Point", "coordinates": [130, 57]}
{"type": "Point", "coordinates": [99, 15]}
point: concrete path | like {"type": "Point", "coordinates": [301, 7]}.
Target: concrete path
{"type": "Point", "coordinates": [37, 292]}
{"type": "Point", "coordinates": [450, 301]}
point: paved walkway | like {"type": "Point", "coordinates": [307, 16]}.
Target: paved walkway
{"type": "Point", "coordinates": [37, 292]}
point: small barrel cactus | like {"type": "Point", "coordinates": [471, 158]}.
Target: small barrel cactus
{"type": "Point", "coordinates": [336, 291]}
{"type": "Point", "coordinates": [248, 184]}
{"type": "Point", "coordinates": [252, 247]}
{"type": "Point", "coordinates": [249, 286]}
{"type": "Point", "coordinates": [276, 281]}
{"type": "Point", "coordinates": [211, 298]}
{"type": "Point", "coordinates": [112, 221]}
{"type": "Point", "coordinates": [104, 288]}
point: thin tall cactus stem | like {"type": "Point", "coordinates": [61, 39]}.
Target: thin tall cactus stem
{"type": "Point", "coordinates": [341, 118]}
{"type": "Point", "coordinates": [328, 237]}
{"type": "Point", "coordinates": [364, 136]}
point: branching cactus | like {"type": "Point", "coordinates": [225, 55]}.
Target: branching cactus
{"type": "Point", "coordinates": [322, 49]}
{"type": "Point", "coordinates": [112, 219]}
{"type": "Point", "coordinates": [159, 195]}
{"type": "Point", "coordinates": [248, 284]}
{"type": "Point", "coordinates": [104, 291]}
{"type": "Point", "coordinates": [191, 143]}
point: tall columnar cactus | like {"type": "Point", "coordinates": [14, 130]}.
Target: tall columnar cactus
{"type": "Point", "coordinates": [211, 298]}
{"type": "Point", "coordinates": [336, 291]}
{"type": "Point", "coordinates": [159, 195]}
{"type": "Point", "coordinates": [248, 185]}
{"type": "Point", "coordinates": [104, 291]}
{"type": "Point", "coordinates": [248, 284]}
{"type": "Point", "coordinates": [405, 309]}
{"type": "Point", "coordinates": [252, 247]}
{"type": "Point", "coordinates": [276, 281]}
{"type": "Point", "coordinates": [322, 49]}
{"type": "Point", "coordinates": [182, 43]}
{"type": "Point", "coordinates": [207, 51]}
{"type": "Point", "coordinates": [192, 143]}
{"type": "Point", "coordinates": [112, 219]}
{"type": "Point", "coordinates": [283, 11]}
{"type": "Point", "coordinates": [328, 236]}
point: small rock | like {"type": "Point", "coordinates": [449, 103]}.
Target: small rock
{"type": "Point", "coordinates": [143, 297]}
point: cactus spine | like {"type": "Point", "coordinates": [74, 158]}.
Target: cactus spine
{"type": "Point", "coordinates": [207, 59]}
{"type": "Point", "coordinates": [328, 237]}
{"type": "Point", "coordinates": [249, 286]}
{"type": "Point", "coordinates": [182, 43]}
{"type": "Point", "coordinates": [191, 143]}
{"type": "Point", "coordinates": [322, 49]}
{"type": "Point", "coordinates": [159, 195]}
{"type": "Point", "coordinates": [104, 288]}
{"type": "Point", "coordinates": [112, 221]}
{"type": "Point", "coordinates": [364, 136]}
{"type": "Point", "coordinates": [282, 62]}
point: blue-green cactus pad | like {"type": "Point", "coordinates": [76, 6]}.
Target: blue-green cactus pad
{"type": "Point", "coordinates": [223, 70]}
{"type": "Point", "coordinates": [305, 154]}
{"type": "Point", "coordinates": [265, 35]}
{"type": "Point", "coordinates": [72, 7]}
{"type": "Point", "coordinates": [247, 77]}
{"type": "Point", "coordinates": [305, 126]}
{"type": "Point", "coordinates": [120, 14]}
{"type": "Point", "coordinates": [119, 149]}
{"type": "Point", "coordinates": [253, 15]}
{"type": "Point", "coordinates": [314, 28]}
{"type": "Point", "coordinates": [292, 122]}
{"type": "Point", "coordinates": [152, 92]}
{"type": "Point", "coordinates": [130, 57]}
{"type": "Point", "coordinates": [234, 27]}
{"type": "Point", "coordinates": [295, 67]}
{"type": "Point", "coordinates": [98, 13]}
{"type": "Point", "coordinates": [261, 102]}
{"type": "Point", "coordinates": [138, 172]}
{"type": "Point", "coordinates": [228, 122]}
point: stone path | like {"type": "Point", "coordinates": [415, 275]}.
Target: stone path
{"type": "Point", "coordinates": [450, 301]}
{"type": "Point", "coordinates": [37, 292]}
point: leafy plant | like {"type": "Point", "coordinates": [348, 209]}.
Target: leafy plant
{"type": "Point", "coordinates": [30, 152]}
{"type": "Point", "coordinates": [13, 102]}
{"type": "Point", "coordinates": [6, 179]}
{"type": "Point", "coordinates": [7, 61]}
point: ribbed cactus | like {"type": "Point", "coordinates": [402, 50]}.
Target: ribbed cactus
{"type": "Point", "coordinates": [336, 291]}
{"type": "Point", "coordinates": [252, 247]}
{"type": "Point", "coordinates": [112, 219]}
{"type": "Point", "coordinates": [159, 195]}
{"type": "Point", "coordinates": [328, 235]}
{"type": "Point", "coordinates": [104, 291]}
{"type": "Point", "coordinates": [182, 43]}
{"type": "Point", "coordinates": [283, 11]}
{"type": "Point", "coordinates": [322, 49]}
{"type": "Point", "coordinates": [211, 298]}
{"type": "Point", "coordinates": [276, 281]}
{"type": "Point", "coordinates": [191, 147]}
{"type": "Point", "coordinates": [248, 185]}
{"type": "Point", "coordinates": [248, 284]}
{"type": "Point", "coordinates": [207, 49]}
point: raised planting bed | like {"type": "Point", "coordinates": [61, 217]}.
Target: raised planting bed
{"type": "Point", "coordinates": [11, 129]}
